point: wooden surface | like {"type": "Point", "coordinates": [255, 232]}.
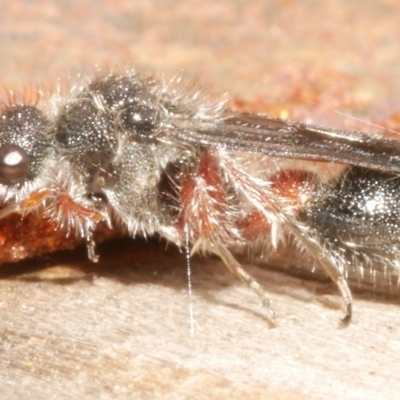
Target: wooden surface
{"type": "Point", "coordinates": [121, 330]}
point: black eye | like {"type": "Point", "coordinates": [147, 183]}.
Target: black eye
{"type": "Point", "coordinates": [14, 164]}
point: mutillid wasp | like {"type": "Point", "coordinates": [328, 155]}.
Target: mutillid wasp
{"type": "Point", "coordinates": [155, 156]}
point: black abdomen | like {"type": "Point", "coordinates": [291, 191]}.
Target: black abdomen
{"type": "Point", "coordinates": [360, 210]}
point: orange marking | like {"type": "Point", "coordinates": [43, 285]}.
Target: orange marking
{"type": "Point", "coordinates": [67, 206]}
{"type": "Point", "coordinates": [253, 225]}
{"type": "Point", "coordinates": [297, 186]}
{"type": "Point", "coordinates": [187, 190]}
{"type": "Point", "coordinates": [203, 204]}
{"type": "Point", "coordinates": [208, 170]}
{"type": "Point", "coordinates": [62, 201]}
{"type": "Point", "coordinates": [35, 198]}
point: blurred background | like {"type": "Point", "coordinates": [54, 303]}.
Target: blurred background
{"type": "Point", "coordinates": [124, 332]}
{"type": "Point", "coordinates": [309, 54]}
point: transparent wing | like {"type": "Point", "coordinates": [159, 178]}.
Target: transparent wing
{"type": "Point", "coordinates": [281, 138]}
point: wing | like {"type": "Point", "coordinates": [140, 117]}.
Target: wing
{"type": "Point", "coordinates": [282, 138]}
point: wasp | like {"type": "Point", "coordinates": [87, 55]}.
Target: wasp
{"type": "Point", "coordinates": [156, 157]}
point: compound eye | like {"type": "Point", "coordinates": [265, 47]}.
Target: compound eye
{"type": "Point", "coordinates": [14, 164]}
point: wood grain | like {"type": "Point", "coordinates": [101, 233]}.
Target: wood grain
{"type": "Point", "coordinates": [121, 329]}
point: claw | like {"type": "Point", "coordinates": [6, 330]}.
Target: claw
{"type": "Point", "coordinates": [91, 249]}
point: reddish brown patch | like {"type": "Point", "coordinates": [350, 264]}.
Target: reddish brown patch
{"type": "Point", "coordinates": [208, 170]}
{"type": "Point", "coordinates": [32, 234]}
{"type": "Point", "coordinates": [63, 202]}
{"type": "Point", "coordinates": [187, 191]}
{"type": "Point", "coordinates": [296, 186]}
{"type": "Point", "coordinates": [35, 199]}
{"type": "Point", "coordinates": [202, 204]}
{"type": "Point", "coordinates": [254, 225]}
{"type": "Point", "coordinates": [68, 206]}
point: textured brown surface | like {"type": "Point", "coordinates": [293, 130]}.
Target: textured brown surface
{"type": "Point", "coordinates": [121, 329]}
{"type": "Point", "coordinates": [32, 236]}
